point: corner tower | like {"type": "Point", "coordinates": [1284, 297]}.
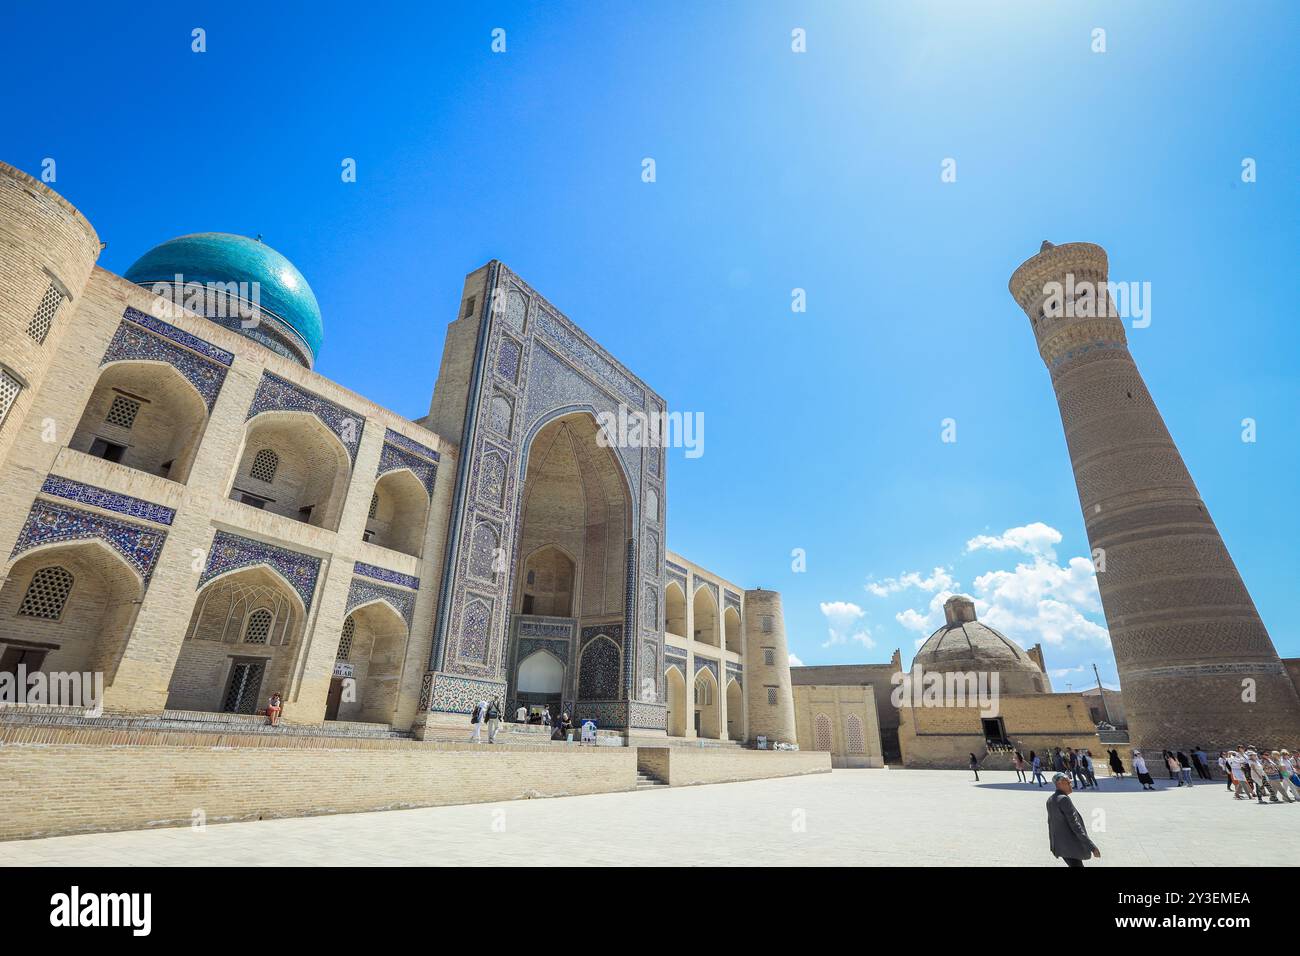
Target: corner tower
{"type": "Point", "coordinates": [1195, 661]}
{"type": "Point", "coordinates": [767, 669]}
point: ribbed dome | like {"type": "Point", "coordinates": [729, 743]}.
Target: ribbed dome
{"type": "Point", "coordinates": [964, 644]}
{"type": "Point", "coordinates": [220, 257]}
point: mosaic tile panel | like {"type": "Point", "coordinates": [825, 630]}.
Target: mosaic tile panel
{"type": "Point", "coordinates": [107, 500]}
{"type": "Point", "coordinates": [703, 663]}
{"type": "Point", "coordinates": [732, 599]}
{"type": "Point", "coordinates": [362, 591]}
{"type": "Point", "coordinates": [132, 342]}
{"type": "Point", "coordinates": [383, 574]}
{"type": "Point", "coordinates": [231, 552]}
{"type": "Point", "coordinates": [598, 670]}
{"type": "Point", "coordinates": [453, 694]}
{"type": "Point", "coordinates": [647, 716]}
{"type": "Point", "coordinates": [394, 456]}
{"type": "Point", "coordinates": [179, 336]}
{"type": "Point", "coordinates": [275, 394]}
{"type": "Point", "coordinates": [49, 523]}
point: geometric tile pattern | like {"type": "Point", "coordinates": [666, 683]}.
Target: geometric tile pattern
{"type": "Point", "coordinates": [132, 342]}
{"type": "Point", "coordinates": [361, 591]}
{"type": "Point", "coordinates": [48, 523]}
{"type": "Point", "coordinates": [230, 552]}
{"type": "Point", "coordinates": [275, 394]}
{"type": "Point", "coordinates": [400, 452]}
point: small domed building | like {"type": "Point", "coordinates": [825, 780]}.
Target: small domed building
{"type": "Point", "coordinates": [963, 644]}
{"type": "Point", "coordinates": [970, 689]}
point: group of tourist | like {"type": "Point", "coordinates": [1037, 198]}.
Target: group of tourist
{"type": "Point", "coordinates": [1077, 764]}
{"type": "Point", "coordinates": [490, 713]}
{"type": "Point", "coordinates": [1252, 774]}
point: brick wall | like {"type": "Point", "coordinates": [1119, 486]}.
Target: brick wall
{"type": "Point", "coordinates": [688, 766]}
{"type": "Point", "coordinates": [62, 789]}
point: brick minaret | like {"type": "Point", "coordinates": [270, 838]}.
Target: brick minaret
{"type": "Point", "coordinates": [1188, 641]}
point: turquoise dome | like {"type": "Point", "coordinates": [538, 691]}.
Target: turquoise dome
{"type": "Point", "coordinates": [222, 257]}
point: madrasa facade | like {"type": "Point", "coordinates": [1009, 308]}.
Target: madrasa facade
{"type": "Point", "coordinates": [194, 513]}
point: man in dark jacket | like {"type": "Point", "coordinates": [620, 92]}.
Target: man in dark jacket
{"type": "Point", "coordinates": [1066, 834]}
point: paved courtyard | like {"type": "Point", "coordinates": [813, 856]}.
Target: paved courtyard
{"type": "Point", "coordinates": [850, 817]}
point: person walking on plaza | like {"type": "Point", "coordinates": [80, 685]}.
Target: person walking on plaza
{"type": "Point", "coordinates": [477, 717]}
{"type": "Point", "coordinates": [493, 721]}
{"type": "Point", "coordinates": [1089, 771]}
{"type": "Point", "coordinates": [521, 715]}
{"type": "Point", "coordinates": [1283, 784]}
{"type": "Point", "coordinates": [1174, 771]}
{"type": "Point", "coordinates": [1184, 767]}
{"type": "Point", "coordinates": [1067, 837]}
{"type": "Point", "coordinates": [1140, 770]}
{"type": "Point", "coordinates": [1116, 765]}
{"type": "Point", "coordinates": [975, 767]}
{"type": "Point", "coordinates": [1018, 761]}
{"type": "Point", "coordinates": [1202, 762]}
{"type": "Point", "coordinates": [1258, 776]}
{"type": "Point", "coordinates": [1036, 763]}
{"type": "Point", "coordinates": [1240, 780]}
{"type": "Point", "coordinates": [1223, 767]}
{"type": "Point", "coordinates": [1077, 777]}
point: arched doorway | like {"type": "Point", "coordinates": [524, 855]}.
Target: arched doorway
{"type": "Point", "coordinates": [293, 465]}
{"type": "Point", "coordinates": [675, 608]}
{"type": "Point", "coordinates": [241, 643]}
{"type": "Point", "coordinates": [144, 415]}
{"type": "Point", "coordinates": [368, 665]}
{"type": "Point", "coordinates": [399, 507]}
{"type": "Point", "coordinates": [706, 617]}
{"type": "Point", "coordinates": [708, 710]}
{"type": "Point", "coordinates": [677, 708]}
{"type": "Point", "coordinates": [571, 559]}
{"type": "Point", "coordinates": [539, 681]}
{"type": "Point", "coordinates": [547, 585]}
{"type": "Point", "coordinates": [732, 639]}
{"type": "Point", "coordinates": [69, 608]}
{"type": "Point", "coordinates": [735, 710]}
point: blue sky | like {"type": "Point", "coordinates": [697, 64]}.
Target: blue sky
{"type": "Point", "coordinates": [775, 170]}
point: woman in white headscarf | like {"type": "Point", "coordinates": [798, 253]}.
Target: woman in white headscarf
{"type": "Point", "coordinates": [1140, 770]}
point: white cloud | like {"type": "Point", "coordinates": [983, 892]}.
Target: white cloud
{"type": "Point", "coordinates": [795, 662]}
{"type": "Point", "coordinates": [1036, 538]}
{"type": "Point", "coordinates": [938, 580]}
{"type": "Point", "coordinates": [928, 622]}
{"type": "Point", "coordinates": [1074, 584]}
{"type": "Point", "coordinates": [843, 619]}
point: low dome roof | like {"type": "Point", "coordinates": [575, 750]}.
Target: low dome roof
{"type": "Point", "coordinates": [964, 643]}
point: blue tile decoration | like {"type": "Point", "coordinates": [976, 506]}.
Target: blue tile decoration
{"type": "Point", "coordinates": [732, 599]}
{"type": "Point", "coordinates": [179, 336]}
{"type": "Point", "coordinates": [599, 668]}
{"type": "Point", "coordinates": [454, 694]}
{"type": "Point", "coordinates": [362, 591]}
{"type": "Point", "coordinates": [401, 452]}
{"type": "Point", "coordinates": [736, 672]}
{"type": "Point", "coordinates": [560, 647]}
{"type": "Point", "coordinates": [275, 394]}
{"type": "Point", "coordinates": [703, 663]}
{"type": "Point", "coordinates": [133, 342]}
{"type": "Point", "coordinates": [383, 574]}
{"type": "Point", "coordinates": [677, 660]}
{"type": "Point", "coordinates": [533, 365]}
{"type": "Point", "coordinates": [646, 715]}
{"type": "Point", "coordinates": [107, 500]}
{"type": "Point", "coordinates": [231, 552]}
{"type": "Point", "coordinates": [699, 582]}
{"type": "Point", "coordinates": [49, 523]}
{"type": "Point", "coordinates": [676, 568]}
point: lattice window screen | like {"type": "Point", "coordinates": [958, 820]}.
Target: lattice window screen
{"type": "Point", "coordinates": [9, 389]}
{"type": "Point", "coordinates": [265, 462]}
{"type": "Point", "coordinates": [122, 412]}
{"type": "Point", "coordinates": [345, 642]}
{"type": "Point", "coordinates": [47, 595]}
{"type": "Point", "coordinates": [39, 326]}
{"type": "Point", "coordinates": [259, 627]}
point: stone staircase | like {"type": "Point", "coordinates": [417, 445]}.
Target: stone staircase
{"type": "Point", "coordinates": [646, 781]}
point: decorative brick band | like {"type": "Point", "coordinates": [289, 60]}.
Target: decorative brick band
{"type": "Point", "coordinates": [383, 574]}
{"type": "Point", "coordinates": [107, 500]}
